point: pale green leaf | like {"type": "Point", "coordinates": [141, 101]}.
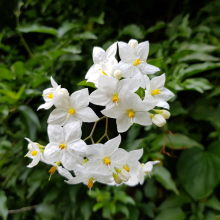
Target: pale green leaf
{"type": "Point", "coordinates": [84, 83]}
{"type": "Point", "coordinates": [3, 205]}
{"type": "Point", "coordinates": [37, 28]}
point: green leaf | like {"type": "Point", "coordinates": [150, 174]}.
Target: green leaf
{"type": "Point", "coordinates": [199, 68]}
{"type": "Point", "coordinates": [200, 47]}
{"type": "Point", "coordinates": [65, 28]}
{"type": "Point", "coordinates": [175, 201]}
{"type": "Point", "coordinates": [134, 31]}
{"type": "Point", "coordinates": [20, 91]}
{"type": "Point", "coordinates": [198, 57]}
{"type": "Point", "coordinates": [3, 205]}
{"type": "Point", "coordinates": [124, 209]}
{"type": "Point", "coordinates": [198, 84]}
{"type": "Point", "coordinates": [213, 203]}
{"type": "Point", "coordinates": [171, 214]}
{"type": "Point", "coordinates": [72, 49]}
{"type": "Point", "coordinates": [84, 83]}
{"type": "Point", "coordinates": [6, 74]}
{"type": "Point", "coordinates": [157, 26]}
{"type": "Point", "coordinates": [86, 209]}
{"type": "Point", "coordinates": [198, 171]}
{"type": "Point", "coordinates": [163, 176]}
{"type": "Point", "coordinates": [37, 28]}
{"type": "Point", "coordinates": [18, 69]}
{"type": "Point", "coordinates": [124, 198]}
{"type": "Point", "coordinates": [86, 35]}
{"type": "Point", "coordinates": [97, 206]}
{"type": "Point", "coordinates": [99, 20]}
{"type": "Point", "coordinates": [155, 62]}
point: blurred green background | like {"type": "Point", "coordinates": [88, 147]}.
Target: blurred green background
{"type": "Point", "coordinates": [56, 37]}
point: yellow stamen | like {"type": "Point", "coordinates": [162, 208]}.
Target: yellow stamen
{"type": "Point", "coordinates": [126, 167]}
{"type": "Point", "coordinates": [131, 114]}
{"type": "Point", "coordinates": [50, 96]}
{"type": "Point", "coordinates": [70, 112]}
{"type": "Point", "coordinates": [115, 99]}
{"type": "Point", "coordinates": [155, 92]}
{"type": "Point", "coordinates": [148, 174]}
{"type": "Point", "coordinates": [107, 161]}
{"type": "Point", "coordinates": [34, 153]}
{"type": "Point", "coordinates": [85, 161]}
{"type": "Point", "coordinates": [137, 62]}
{"type": "Point", "coordinates": [90, 183]}
{"type": "Point", "coordinates": [52, 171]}
{"type": "Point", "coordinates": [62, 146]}
{"type": "Point", "coordinates": [104, 73]}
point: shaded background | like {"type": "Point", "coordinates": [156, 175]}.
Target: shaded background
{"type": "Point", "coordinates": [56, 38]}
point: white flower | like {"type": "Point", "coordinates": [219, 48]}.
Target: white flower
{"type": "Point", "coordinates": [65, 145]}
{"type": "Point", "coordinates": [155, 91]}
{"type": "Point", "coordinates": [74, 108]}
{"type": "Point", "coordinates": [131, 110]}
{"type": "Point", "coordinates": [50, 93]}
{"type": "Point", "coordinates": [108, 91]}
{"type": "Point", "coordinates": [158, 120]}
{"type": "Point", "coordinates": [100, 56]}
{"type": "Point", "coordinates": [121, 175]}
{"type": "Point", "coordinates": [35, 153]}
{"type": "Point", "coordinates": [105, 156]}
{"type": "Point", "coordinates": [133, 61]}
{"type": "Point", "coordinates": [146, 169]}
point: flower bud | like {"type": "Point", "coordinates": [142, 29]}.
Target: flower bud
{"type": "Point", "coordinates": [118, 74]}
{"type": "Point", "coordinates": [158, 120]}
{"type": "Point", "coordinates": [165, 114]}
{"type": "Point", "coordinates": [118, 180]}
{"type": "Point", "coordinates": [63, 91]}
{"type": "Point", "coordinates": [30, 146]}
{"type": "Point", "coordinates": [124, 175]}
{"type": "Point", "coordinates": [133, 43]}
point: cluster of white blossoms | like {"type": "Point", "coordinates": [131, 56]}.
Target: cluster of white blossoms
{"type": "Point", "coordinates": [116, 85]}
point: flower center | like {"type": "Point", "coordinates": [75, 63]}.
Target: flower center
{"type": "Point", "coordinates": [106, 161]}
{"type": "Point", "coordinates": [62, 146]}
{"type": "Point", "coordinates": [155, 92]}
{"type": "Point", "coordinates": [131, 114]}
{"type": "Point", "coordinates": [90, 183]}
{"type": "Point", "coordinates": [70, 112]}
{"type": "Point", "coordinates": [104, 73]}
{"type": "Point", "coordinates": [126, 167]}
{"type": "Point", "coordinates": [34, 153]}
{"type": "Point", "coordinates": [50, 96]}
{"type": "Point", "coordinates": [115, 99]}
{"type": "Point", "coordinates": [137, 62]}
{"type": "Point", "coordinates": [85, 161]}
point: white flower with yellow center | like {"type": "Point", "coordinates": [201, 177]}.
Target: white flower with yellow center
{"type": "Point", "coordinates": [73, 108]}
{"type": "Point", "coordinates": [105, 156]}
{"type": "Point", "coordinates": [50, 93]}
{"type": "Point", "coordinates": [131, 110]}
{"type": "Point", "coordinates": [133, 60]}
{"type": "Point", "coordinates": [101, 56]}
{"type": "Point", "coordinates": [155, 91]}
{"type": "Point", "coordinates": [65, 145]}
{"type": "Point", "coordinates": [109, 89]}
{"type": "Point", "coordinates": [35, 152]}
{"type": "Point", "coordinates": [146, 169]}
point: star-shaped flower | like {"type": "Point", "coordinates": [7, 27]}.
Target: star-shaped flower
{"type": "Point", "coordinates": [74, 108]}
{"type": "Point", "coordinates": [155, 91]}
{"type": "Point", "coordinates": [133, 61]}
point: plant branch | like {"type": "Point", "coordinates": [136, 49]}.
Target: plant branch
{"type": "Point", "coordinates": [22, 209]}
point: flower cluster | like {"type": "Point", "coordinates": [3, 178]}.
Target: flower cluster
{"type": "Point", "coordinates": [116, 84]}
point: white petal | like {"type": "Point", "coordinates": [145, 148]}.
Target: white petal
{"type": "Point", "coordinates": [72, 132]}
{"type": "Point", "coordinates": [53, 83]}
{"type": "Point", "coordinates": [126, 53]}
{"type": "Point", "coordinates": [150, 104]}
{"type": "Point", "coordinates": [142, 50]}
{"type": "Point", "coordinates": [131, 84]}
{"type": "Point", "coordinates": [112, 145]}
{"type": "Point", "coordinates": [62, 102]}
{"type": "Point", "coordinates": [113, 111]}
{"type": "Point", "coordinates": [57, 117]}
{"type": "Point", "coordinates": [98, 55]}
{"type": "Point", "coordinates": [93, 166]}
{"type": "Point", "coordinates": [142, 118]}
{"type": "Point", "coordinates": [35, 160]}
{"type": "Point", "coordinates": [135, 168]}
{"type": "Point", "coordinates": [64, 172]}
{"type": "Point", "coordinates": [46, 105]}
{"type": "Point", "coordinates": [135, 155]}
{"type": "Point", "coordinates": [90, 71]}
{"type": "Point", "coordinates": [123, 123]}
{"type": "Point", "coordinates": [119, 156]}
{"type": "Point", "coordinates": [111, 51]}
{"type": "Point", "coordinates": [165, 95]}
{"type": "Point", "coordinates": [158, 82]}
{"type": "Point", "coordinates": [55, 134]}
{"type": "Point", "coordinates": [68, 160]}
{"type": "Point", "coordinates": [95, 151]}
{"type": "Point", "coordinates": [133, 181]}
{"type": "Point", "coordinates": [163, 104]}
{"type": "Point", "coordinates": [51, 152]}
{"type": "Point", "coordinates": [98, 97]}
{"type": "Point", "coordinates": [87, 115]}
{"type": "Point", "coordinates": [103, 178]}
{"type": "Point", "coordinates": [146, 68]}
{"type": "Point", "coordinates": [46, 93]}
{"type": "Point", "coordinates": [141, 177]}
{"type": "Point", "coordinates": [80, 99]}
{"type": "Point", "coordinates": [148, 98]}
{"type": "Point", "coordinates": [74, 180]}
{"type": "Point", "coordinates": [126, 68]}
{"type": "Point", "coordinates": [79, 147]}
{"type": "Point", "coordinates": [107, 84]}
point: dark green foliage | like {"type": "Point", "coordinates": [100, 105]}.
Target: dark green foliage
{"type": "Point", "coordinates": [54, 37]}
